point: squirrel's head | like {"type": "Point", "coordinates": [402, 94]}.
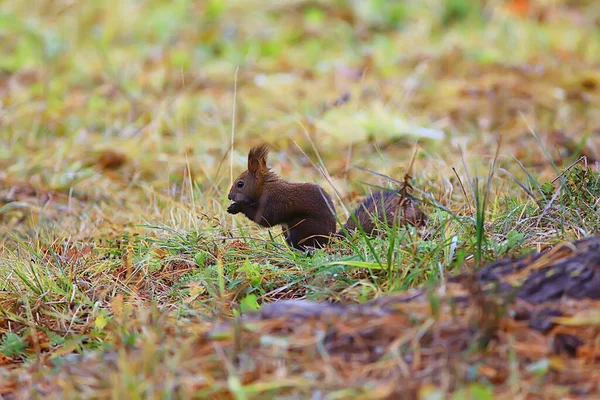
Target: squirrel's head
{"type": "Point", "coordinates": [247, 188]}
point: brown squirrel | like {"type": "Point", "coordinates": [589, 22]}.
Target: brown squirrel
{"type": "Point", "coordinates": [305, 210]}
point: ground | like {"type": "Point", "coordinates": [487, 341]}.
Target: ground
{"type": "Point", "coordinates": [123, 124]}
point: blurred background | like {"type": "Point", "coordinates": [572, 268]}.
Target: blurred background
{"type": "Point", "coordinates": [122, 100]}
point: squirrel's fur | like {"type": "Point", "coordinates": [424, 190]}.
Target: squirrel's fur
{"type": "Point", "coordinates": [305, 210]}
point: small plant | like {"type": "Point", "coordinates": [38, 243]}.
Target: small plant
{"type": "Point", "coordinates": [455, 11]}
{"type": "Point", "coordinates": [249, 304]}
{"type": "Point", "coordinates": [577, 198]}
{"type": "Point", "coordinates": [13, 345]}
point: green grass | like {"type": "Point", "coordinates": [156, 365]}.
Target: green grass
{"type": "Point", "coordinates": [101, 260]}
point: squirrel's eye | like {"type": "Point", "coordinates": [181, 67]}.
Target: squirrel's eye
{"type": "Point", "coordinates": [240, 184]}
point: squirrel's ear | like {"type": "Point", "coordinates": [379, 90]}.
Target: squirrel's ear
{"type": "Point", "coordinates": [257, 160]}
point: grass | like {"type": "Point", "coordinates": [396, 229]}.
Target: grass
{"type": "Point", "coordinates": [115, 129]}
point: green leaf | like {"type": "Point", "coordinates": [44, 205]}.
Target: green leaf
{"type": "Point", "coordinates": [474, 391]}
{"type": "Point", "coordinates": [12, 345]}
{"type": "Point", "coordinates": [249, 304]}
{"type": "Point", "coordinates": [101, 321]}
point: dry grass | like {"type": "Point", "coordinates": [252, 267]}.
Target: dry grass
{"type": "Point", "coordinates": [117, 257]}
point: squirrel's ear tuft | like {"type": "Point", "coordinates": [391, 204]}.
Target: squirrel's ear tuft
{"type": "Point", "coordinates": [257, 160]}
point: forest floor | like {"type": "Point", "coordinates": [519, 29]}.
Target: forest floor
{"type": "Point", "coordinates": [123, 123]}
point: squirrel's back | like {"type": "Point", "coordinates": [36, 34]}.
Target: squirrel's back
{"type": "Point", "coordinates": [309, 217]}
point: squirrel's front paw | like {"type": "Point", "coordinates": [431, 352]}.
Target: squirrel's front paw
{"type": "Point", "coordinates": [234, 207]}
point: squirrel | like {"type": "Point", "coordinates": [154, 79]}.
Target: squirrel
{"type": "Point", "coordinates": [304, 210]}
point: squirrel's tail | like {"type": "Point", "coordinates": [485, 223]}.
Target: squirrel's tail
{"type": "Point", "coordinates": [384, 207]}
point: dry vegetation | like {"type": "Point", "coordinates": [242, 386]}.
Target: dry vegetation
{"type": "Point", "coordinates": [121, 274]}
